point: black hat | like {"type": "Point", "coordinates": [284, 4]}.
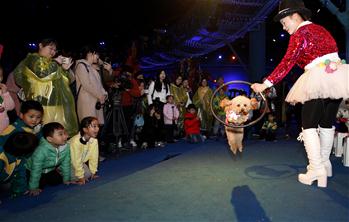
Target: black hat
{"type": "Point", "coordinates": [288, 7]}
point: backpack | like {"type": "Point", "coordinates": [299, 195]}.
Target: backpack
{"type": "Point", "coordinates": [139, 120]}
{"type": "Point", "coordinates": [139, 123]}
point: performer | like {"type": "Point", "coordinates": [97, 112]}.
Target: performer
{"type": "Point", "coordinates": [321, 87]}
{"type": "Point", "coordinates": [47, 80]}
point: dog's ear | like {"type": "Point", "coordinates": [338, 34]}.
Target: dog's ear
{"type": "Point", "coordinates": [225, 102]}
{"type": "Point", "coordinates": [254, 103]}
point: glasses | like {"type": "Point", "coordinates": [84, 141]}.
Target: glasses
{"type": "Point", "coordinates": [52, 48]}
{"type": "Point", "coordinates": [94, 126]}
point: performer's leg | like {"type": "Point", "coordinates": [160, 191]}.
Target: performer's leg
{"type": "Point", "coordinates": [326, 132]}
{"type": "Point", "coordinates": [311, 115]}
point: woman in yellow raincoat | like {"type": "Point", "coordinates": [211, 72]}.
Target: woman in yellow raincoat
{"type": "Point", "coordinates": [47, 80]}
{"type": "Point", "coordinates": [182, 100]}
{"type": "Point", "coordinates": [202, 99]}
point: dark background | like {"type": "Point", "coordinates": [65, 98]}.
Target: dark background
{"type": "Point", "coordinates": [118, 23]}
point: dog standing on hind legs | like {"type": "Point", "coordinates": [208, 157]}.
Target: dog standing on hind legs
{"type": "Point", "coordinates": [235, 137]}
{"type": "Point", "coordinates": [237, 113]}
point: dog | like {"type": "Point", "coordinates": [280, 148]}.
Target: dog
{"type": "Point", "coordinates": [237, 112]}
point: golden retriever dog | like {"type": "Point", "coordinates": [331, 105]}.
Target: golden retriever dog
{"type": "Point", "coordinates": [237, 113]}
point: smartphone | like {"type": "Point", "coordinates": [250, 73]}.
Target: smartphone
{"type": "Point", "coordinates": [106, 60]}
{"type": "Point", "coordinates": [65, 60]}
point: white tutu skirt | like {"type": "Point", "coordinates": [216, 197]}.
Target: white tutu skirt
{"type": "Point", "coordinates": [319, 82]}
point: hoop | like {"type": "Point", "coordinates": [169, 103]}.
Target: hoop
{"type": "Point", "coordinates": [230, 124]}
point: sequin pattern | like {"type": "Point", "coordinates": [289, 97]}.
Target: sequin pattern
{"type": "Point", "coordinates": [306, 44]}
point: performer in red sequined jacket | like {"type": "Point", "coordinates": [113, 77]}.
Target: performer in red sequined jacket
{"type": "Point", "coordinates": [320, 88]}
{"type": "Point", "coordinates": [303, 48]}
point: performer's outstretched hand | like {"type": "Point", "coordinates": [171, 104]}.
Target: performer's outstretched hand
{"type": "Point", "coordinates": [258, 87]}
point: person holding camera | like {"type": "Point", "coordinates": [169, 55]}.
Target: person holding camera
{"type": "Point", "coordinates": [90, 92]}
{"type": "Point", "coordinates": [129, 92]}
{"type": "Point", "coordinates": [45, 78]}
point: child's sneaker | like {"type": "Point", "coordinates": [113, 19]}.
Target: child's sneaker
{"type": "Point", "coordinates": [144, 145]}
{"type": "Point", "coordinates": [133, 143]}
{"type": "Point", "coordinates": [101, 158]}
{"type": "Point", "coordinates": [159, 144]}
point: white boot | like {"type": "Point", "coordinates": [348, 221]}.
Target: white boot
{"type": "Point", "coordinates": [316, 170]}
{"type": "Point", "coordinates": [326, 143]}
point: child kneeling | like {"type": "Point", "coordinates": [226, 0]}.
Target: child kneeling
{"type": "Point", "coordinates": [83, 150]}
{"type": "Point", "coordinates": [50, 162]}
{"type": "Point", "coordinates": [192, 125]}
{"type": "Point", "coordinates": [268, 131]}
{"type": "Point", "coordinates": [13, 155]}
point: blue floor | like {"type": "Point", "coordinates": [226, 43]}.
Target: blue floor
{"type": "Point", "coordinates": [186, 182]}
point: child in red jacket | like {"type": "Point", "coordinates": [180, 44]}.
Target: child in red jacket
{"type": "Point", "coordinates": [192, 125]}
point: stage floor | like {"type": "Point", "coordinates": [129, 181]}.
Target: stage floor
{"type": "Point", "coordinates": [203, 182]}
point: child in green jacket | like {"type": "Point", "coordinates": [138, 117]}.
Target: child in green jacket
{"type": "Point", "coordinates": [50, 162]}
{"type": "Point", "coordinates": [29, 120]}
{"type": "Point", "coordinates": [12, 161]}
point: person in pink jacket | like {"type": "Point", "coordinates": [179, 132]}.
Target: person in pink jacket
{"type": "Point", "coordinates": [6, 104]}
{"type": "Point", "coordinates": [171, 115]}
{"type": "Point", "coordinates": [13, 89]}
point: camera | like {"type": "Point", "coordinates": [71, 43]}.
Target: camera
{"type": "Point", "coordinates": [124, 81]}
{"type": "Point", "coordinates": [65, 60]}
{"type": "Point", "coordinates": [98, 105]}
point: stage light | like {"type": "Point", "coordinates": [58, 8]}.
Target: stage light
{"type": "Point", "coordinates": [32, 45]}
{"type": "Point", "coordinates": [233, 57]}
{"type": "Point", "coordinates": [220, 57]}
{"type": "Point", "coordinates": [282, 35]}
{"type": "Point", "coordinates": [196, 38]}
{"type": "Point", "coordinates": [271, 60]}
{"type": "Point", "coordinates": [160, 31]}
{"type": "Point", "coordinates": [274, 40]}
{"type": "Point", "coordinates": [102, 43]}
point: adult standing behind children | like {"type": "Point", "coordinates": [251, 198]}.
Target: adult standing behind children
{"type": "Point", "coordinates": [158, 90]}
{"type": "Point", "coordinates": [321, 87]}
{"type": "Point", "coordinates": [201, 100]}
{"type": "Point", "coordinates": [47, 80]}
{"type": "Point", "coordinates": [6, 104]}
{"type": "Point", "coordinates": [89, 85]}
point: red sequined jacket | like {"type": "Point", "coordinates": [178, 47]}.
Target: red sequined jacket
{"type": "Point", "coordinates": [306, 44]}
